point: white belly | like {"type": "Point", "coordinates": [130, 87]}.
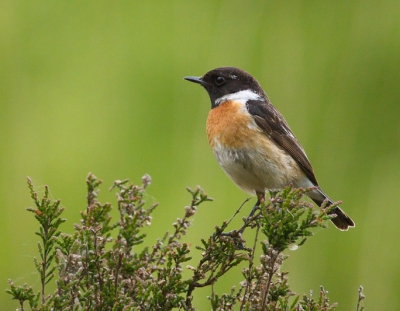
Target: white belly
{"type": "Point", "coordinates": [258, 169]}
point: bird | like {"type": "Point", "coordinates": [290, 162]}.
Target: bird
{"type": "Point", "coordinates": [253, 143]}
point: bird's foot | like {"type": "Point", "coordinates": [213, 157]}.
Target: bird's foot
{"type": "Point", "coordinates": [235, 236]}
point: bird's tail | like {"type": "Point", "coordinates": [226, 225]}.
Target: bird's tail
{"type": "Point", "coordinates": [342, 221]}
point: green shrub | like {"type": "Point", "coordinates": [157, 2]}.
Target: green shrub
{"type": "Point", "coordinates": [94, 271]}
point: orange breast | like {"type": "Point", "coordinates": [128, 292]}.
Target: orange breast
{"type": "Point", "coordinates": [248, 156]}
{"type": "Point", "coordinates": [231, 125]}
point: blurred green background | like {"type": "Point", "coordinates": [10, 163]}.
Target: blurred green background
{"type": "Point", "coordinates": [97, 86]}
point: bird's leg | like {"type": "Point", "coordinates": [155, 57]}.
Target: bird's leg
{"type": "Point", "coordinates": [260, 199]}
{"type": "Point", "coordinates": [237, 234]}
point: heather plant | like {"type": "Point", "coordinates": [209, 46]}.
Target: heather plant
{"type": "Point", "coordinates": [94, 271]}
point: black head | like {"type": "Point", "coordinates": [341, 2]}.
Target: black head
{"type": "Point", "coordinates": [223, 81]}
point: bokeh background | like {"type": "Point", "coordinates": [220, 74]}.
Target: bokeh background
{"type": "Point", "coordinates": [97, 86]}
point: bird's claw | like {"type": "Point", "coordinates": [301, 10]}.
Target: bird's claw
{"type": "Point", "coordinates": [235, 235]}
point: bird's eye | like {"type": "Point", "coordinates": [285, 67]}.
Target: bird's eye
{"type": "Point", "coordinates": [219, 80]}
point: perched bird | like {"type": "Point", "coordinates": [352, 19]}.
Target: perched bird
{"type": "Point", "coordinates": [252, 141]}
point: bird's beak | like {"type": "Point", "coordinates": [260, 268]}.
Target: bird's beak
{"type": "Point", "coordinates": [198, 80]}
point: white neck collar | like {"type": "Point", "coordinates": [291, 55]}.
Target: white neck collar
{"type": "Point", "coordinates": [244, 95]}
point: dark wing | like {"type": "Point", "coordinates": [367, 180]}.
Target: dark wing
{"type": "Point", "coordinates": [275, 127]}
